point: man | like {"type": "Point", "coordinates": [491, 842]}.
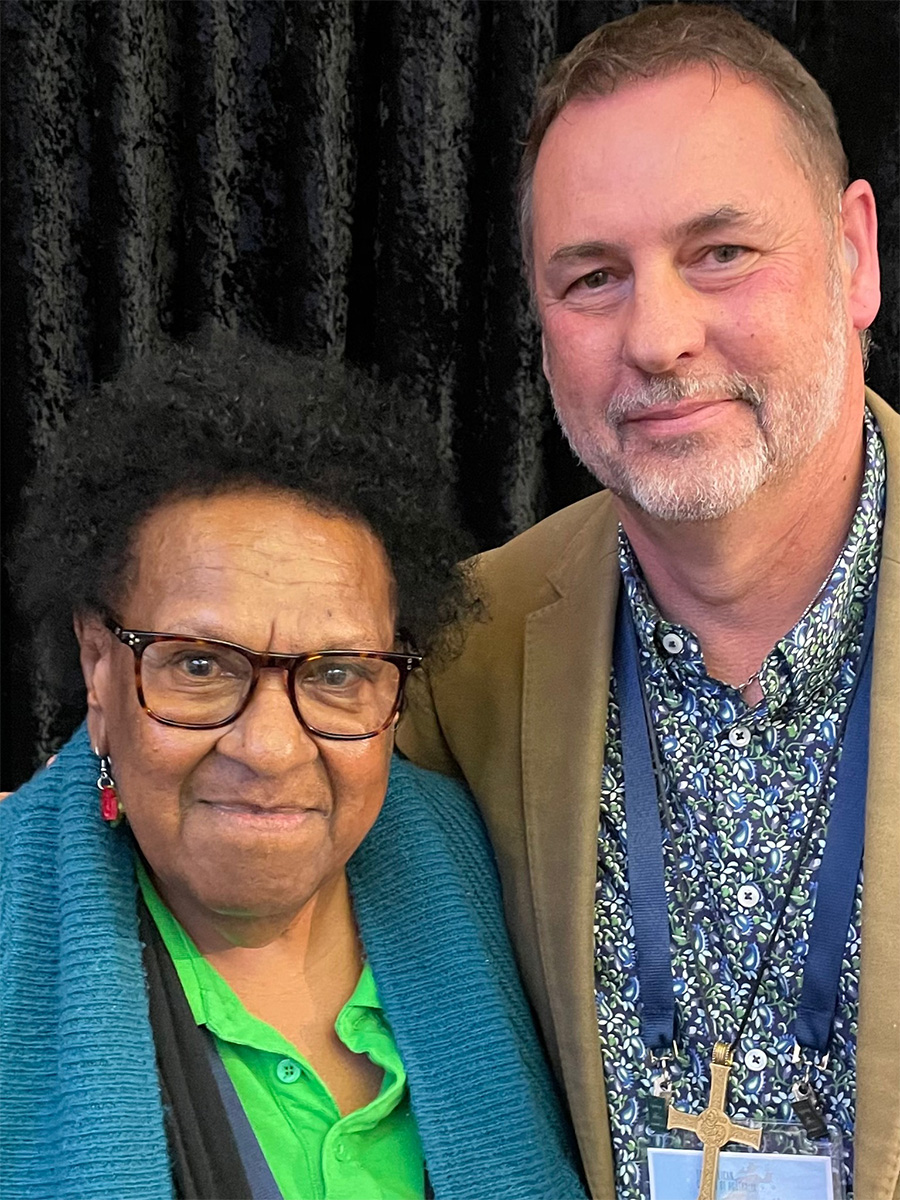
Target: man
{"type": "Point", "coordinates": [703, 273]}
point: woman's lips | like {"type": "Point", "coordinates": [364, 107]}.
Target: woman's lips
{"type": "Point", "coordinates": [262, 815]}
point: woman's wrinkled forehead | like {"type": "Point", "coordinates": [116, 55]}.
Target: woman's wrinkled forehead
{"type": "Point", "coordinates": [254, 556]}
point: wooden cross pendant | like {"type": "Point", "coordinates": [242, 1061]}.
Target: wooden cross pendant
{"type": "Point", "coordinates": [713, 1126]}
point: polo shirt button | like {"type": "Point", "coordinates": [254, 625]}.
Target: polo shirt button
{"type": "Point", "coordinates": [341, 1151]}
{"type": "Point", "coordinates": [673, 643]}
{"type": "Point", "coordinates": [756, 1059]}
{"type": "Point", "coordinates": [288, 1071]}
{"type": "Point", "coordinates": [739, 736]}
{"type": "Point", "coordinates": [748, 895]}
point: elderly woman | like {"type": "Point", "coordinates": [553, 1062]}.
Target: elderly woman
{"type": "Point", "coordinates": [245, 951]}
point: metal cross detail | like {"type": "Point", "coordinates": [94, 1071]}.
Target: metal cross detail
{"type": "Point", "coordinates": [713, 1126]}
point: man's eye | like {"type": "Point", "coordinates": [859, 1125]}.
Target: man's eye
{"type": "Point", "coordinates": [594, 280]}
{"type": "Point", "coordinates": [726, 254]}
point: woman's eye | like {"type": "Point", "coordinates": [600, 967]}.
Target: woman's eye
{"type": "Point", "coordinates": [341, 677]}
{"type": "Point", "coordinates": [335, 677]}
{"type": "Point", "coordinates": [198, 666]}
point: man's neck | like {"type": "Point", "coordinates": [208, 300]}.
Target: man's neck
{"type": "Point", "coordinates": [742, 582]}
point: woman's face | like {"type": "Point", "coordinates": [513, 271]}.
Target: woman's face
{"type": "Point", "coordinates": [251, 819]}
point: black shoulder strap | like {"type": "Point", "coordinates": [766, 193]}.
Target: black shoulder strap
{"type": "Point", "coordinates": [258, 1172]}
{"type": "Point", "coordinates": [206, 1162]}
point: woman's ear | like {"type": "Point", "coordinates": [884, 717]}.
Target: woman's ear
{"type": "Point", "coordinates": [95, 648]}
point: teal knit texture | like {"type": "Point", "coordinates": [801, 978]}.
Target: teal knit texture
{"type": "Point", "coordinates": [82, 1118]}
{"type": "Point", "coordinates": [428, 905]}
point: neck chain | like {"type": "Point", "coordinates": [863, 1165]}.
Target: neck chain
{"type": "Point", "coordinates": [742, 687]}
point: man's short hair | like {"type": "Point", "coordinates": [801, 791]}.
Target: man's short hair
{"type": "Point", "coordinates": [666, 38]}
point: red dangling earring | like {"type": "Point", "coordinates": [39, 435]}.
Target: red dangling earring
{"type": "Point", "coordinates": [110, 808]}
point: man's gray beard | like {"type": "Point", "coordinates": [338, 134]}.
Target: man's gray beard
{"type": "Point", "coordinates": [689, 479]}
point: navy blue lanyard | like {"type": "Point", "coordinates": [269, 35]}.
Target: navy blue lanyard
{"type": "Point", "coordinates": [838, 873]}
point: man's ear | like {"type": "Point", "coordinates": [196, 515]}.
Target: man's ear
{"type": "Point", "coordinates": [544, 365]}
{"type": "Point", "coordinates": [859, 230]}
{"type": "Point", "coordinates": [95, 646]}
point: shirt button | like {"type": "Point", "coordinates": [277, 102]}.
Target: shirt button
{"type": "Point", "coordinates": [341, 1151]}
{"type": "Point", "coordinates": [673, 643]}
{"type": "Point", "coordinates": [739, 736]}
{"type": "Point", "coordinates": [748, 895]}
{"type": "Point", "coordinates": [756, 1059]}
{"type": "Point", "coordinates": [288, 1071]}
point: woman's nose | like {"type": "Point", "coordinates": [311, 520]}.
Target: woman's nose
{"type": "Point", "coordinates": [267, 736]}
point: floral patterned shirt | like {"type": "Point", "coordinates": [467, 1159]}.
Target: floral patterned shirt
{"type": "Point", "coordinates": [742, 784]}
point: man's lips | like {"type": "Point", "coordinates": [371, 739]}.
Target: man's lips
{"type": "Point", "coordinates": [683, 417]}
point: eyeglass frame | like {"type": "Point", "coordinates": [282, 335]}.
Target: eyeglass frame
{"type": "Point", "coordinates": [137, 640]}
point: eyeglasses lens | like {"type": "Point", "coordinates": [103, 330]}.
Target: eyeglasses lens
{"type": "Point", "coordinates": [196, 683]}
{"type": "Point", "coordinates": [347, 695]}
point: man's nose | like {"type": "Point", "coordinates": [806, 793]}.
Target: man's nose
{"type": "Point", "coordinates": [665, 323]}
{"type": "Point", "coordinates": [267, 735]}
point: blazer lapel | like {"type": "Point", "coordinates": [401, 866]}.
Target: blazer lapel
{"type": "Point", "coordinates": [877, 1134]}
{"type": "Point", "coordinates": [568, 652]}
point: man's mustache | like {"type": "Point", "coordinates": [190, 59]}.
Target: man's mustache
{"type": "Point", "coordinates": [669, 390]}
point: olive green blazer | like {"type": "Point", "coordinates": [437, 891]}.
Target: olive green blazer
{"type": "Point", "coordinates": [521, 714]}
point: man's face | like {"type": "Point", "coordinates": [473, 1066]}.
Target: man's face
{"type": "Point", "coordinates": [695, 330]}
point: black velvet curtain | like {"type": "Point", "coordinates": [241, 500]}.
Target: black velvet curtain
{"type": "Point", "coordinates": [338, 176]}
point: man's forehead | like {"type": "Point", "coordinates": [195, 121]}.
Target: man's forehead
{"type": "Point", "coordinates": [716, 142]}
{"type": "Point", "coordinates": [698, 88]}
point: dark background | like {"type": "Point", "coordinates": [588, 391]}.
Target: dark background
{"type": "Point", "coordinates": [338, 176]}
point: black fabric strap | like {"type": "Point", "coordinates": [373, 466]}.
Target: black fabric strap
{"type": "Point", "coordinates": [259, 1173]}
{"type": "Point", "coordinates": [206, 1163]}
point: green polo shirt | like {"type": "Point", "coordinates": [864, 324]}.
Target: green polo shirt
{"type": "Point", "coordinates": [313, 1152]}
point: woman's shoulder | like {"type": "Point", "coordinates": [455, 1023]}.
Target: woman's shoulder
{"type": "Point", "coordinates": [434, 799]}
{"type": "Point", "coordinates": [430, 820]}
{"type": "Point", "coordinates": [407, 777]}
{"type": "Point", "coordinates": [57, 798]}
{"type": "Point", "coordinates": [70, 765]}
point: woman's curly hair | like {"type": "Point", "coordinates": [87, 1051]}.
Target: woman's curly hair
{"type": "Point", "coordinates": [220, 413]}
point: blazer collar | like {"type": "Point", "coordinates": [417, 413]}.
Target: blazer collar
{"type": "Point", "coordinates": [877, 1133]}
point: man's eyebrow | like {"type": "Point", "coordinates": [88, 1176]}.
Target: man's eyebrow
{"type": "Point", "coordinates": [709, 222]}
{"type": "Point", "coordinates": [580, 250]}
{"type": "Point", "coordinates": [697, 226]}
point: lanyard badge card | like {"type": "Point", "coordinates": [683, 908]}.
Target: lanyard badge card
{"type": "Point", "coordinates": [686, 1155]}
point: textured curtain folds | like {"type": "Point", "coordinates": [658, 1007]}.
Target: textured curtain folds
{"type": "Point", "coordinates": [338, 176]}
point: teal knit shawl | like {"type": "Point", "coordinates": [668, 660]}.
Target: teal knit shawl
{"type": "Point", "coordinates": [82, 1117]}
